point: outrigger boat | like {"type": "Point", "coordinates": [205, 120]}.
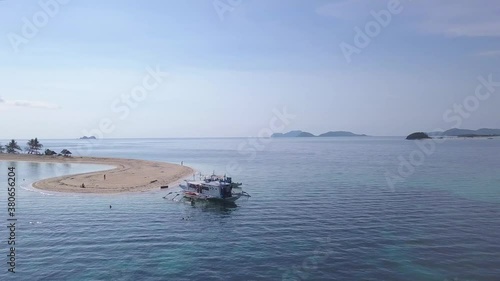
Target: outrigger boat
{"type": "Point", "coordinates": [214, 188]}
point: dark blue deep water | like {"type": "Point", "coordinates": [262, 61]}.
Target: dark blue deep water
{"type": "Point", "coordinates": [321, 209]}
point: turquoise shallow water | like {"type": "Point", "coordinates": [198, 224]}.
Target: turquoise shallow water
{"type": "Point", "coordinates": [320, 209]}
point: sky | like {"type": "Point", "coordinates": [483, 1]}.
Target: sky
{"type": "Point", "coordinates": [223, 68]}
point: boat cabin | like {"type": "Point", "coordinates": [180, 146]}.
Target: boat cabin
{"type": "Point", "coordinates": [212, 189]}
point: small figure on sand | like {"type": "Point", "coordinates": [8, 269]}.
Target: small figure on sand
{"type": "Point", "coordinates": [104, 176]}
{"type": "Point", "coordinates": [83, 185]}
{"type": "Point", "coordinates": [182, 163]}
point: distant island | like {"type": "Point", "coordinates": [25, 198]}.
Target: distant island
{"type": "Point", "coordinates": [459, 133]}
{"type": "Point", "coordinates": [466, 133]}
{"type": "Point", "coordinates": [302, 134]}
{"type": "Point", "coordinates": [418, 136]}
{"type": "Point", "coordinates": [341, 134]}
{"type": "Point", "coordinates": [88, 138]}
{"type": "Point", "coordinates": [305, 135]}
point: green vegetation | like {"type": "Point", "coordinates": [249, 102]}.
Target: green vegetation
{"type": "Point", "coordinates": [33, 147]}
{"type": "Point", "coordinates": [12, 147]}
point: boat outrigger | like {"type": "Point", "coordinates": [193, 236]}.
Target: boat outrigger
{"type": "Point", "coordinates": [214, 188]}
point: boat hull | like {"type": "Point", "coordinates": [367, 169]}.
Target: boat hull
{"type": "Point", "coordinates": [199, 196]}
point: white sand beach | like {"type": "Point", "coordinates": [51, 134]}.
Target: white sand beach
{"type": "Point", "coordinates": [129, 175]}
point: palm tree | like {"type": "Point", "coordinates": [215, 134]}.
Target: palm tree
{"type": "Point", "coordinates": [34, 146]}
{"type": "Point", "coordinates": [12, 147]}
{"type": "Point", "coordinates": [37, 146]}
{"type": "Point", "coordinates": [30, 146]}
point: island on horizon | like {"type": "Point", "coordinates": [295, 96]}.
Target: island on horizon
{"type": "Point", "coordinates": [418, 136]}
{"type": "Point", "coordinates": [456, 133]}
{"type": "Point", "coordinates": [467, 133]}
{"type": "Point", "coordinates": [302, 134]}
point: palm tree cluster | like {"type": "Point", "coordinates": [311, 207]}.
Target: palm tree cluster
{"type": "Point", "coordinates": [33, 147]}
{"type": "Point", "coordinates": [12, 147]}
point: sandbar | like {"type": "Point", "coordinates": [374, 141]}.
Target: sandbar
{"type": "Point", "coordinates": [128, 175]}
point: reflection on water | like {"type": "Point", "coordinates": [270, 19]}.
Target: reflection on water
{"type": "Point", "coordinates": [11, 164]}
{"type": "Point", "coordinates": [213, 206]}
{"type": "Point", "coordinates": [34, 168]}
{"type": "Point", "coordinates": [50, 167]}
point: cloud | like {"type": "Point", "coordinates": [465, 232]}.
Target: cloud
{"type": "Point", "coordinates": [458, 18]}
{"type": "Point", "coordinates": [494, 53]}
{"type": "Point", "coordinates": [450, 18]}
{"type": "Point", "coordinates": [344, 10]}
{"type": "Point", "coordinates": [29, 104]}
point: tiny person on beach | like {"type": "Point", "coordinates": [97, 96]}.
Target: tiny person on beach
{"type": "Point", "coordinates": [104, 176]}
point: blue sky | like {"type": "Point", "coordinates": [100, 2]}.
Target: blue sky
{"type": "Point", "coordinates": [227, 74]}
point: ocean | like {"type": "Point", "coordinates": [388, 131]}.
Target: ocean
{"type": "Point", "coordinates": [320, 209]}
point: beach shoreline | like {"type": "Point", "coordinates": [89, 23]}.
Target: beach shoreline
{"type": "Point", "coordinates": [126, 175]}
